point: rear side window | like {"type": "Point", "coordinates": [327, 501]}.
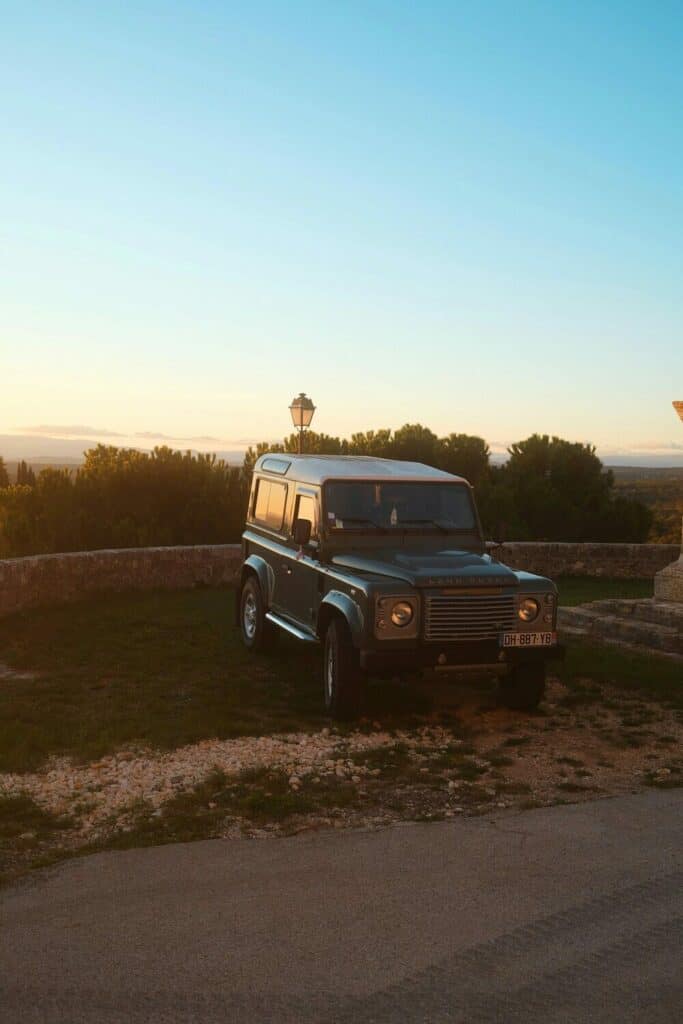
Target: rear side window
{"type": "Point", "coordinates": [269, 507]}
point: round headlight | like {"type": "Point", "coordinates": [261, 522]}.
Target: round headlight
{"type": "Point", "coordinates": [402, 613]}
{"type": "Point", "coordinates": [528, 609]}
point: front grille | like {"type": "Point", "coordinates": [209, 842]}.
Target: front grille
{"type": "Point", "coordinates": [461, 617]}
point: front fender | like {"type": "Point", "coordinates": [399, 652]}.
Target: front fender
{"type": "Point", "coordinates": [263, 572]}
{"type": "Point", "coordinates": [337, 601]}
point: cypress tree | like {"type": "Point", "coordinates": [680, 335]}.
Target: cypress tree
{"type": "Point", "coordinates": [25, 475]}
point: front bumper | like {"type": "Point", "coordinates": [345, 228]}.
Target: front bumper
{"type": "Point", "coordinates": [481, 653]}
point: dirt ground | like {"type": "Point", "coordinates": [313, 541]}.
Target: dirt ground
{"type": "Point", "coordinates": [588, 742]}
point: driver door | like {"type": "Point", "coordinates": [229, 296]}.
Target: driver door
{"type": "Point", "coordinates": [298, 578]}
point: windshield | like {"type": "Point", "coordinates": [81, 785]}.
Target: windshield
{"type": "Point", "coordinates": [388, 505]}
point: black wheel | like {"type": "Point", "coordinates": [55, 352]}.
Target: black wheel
{"type": "Point", "coordinates": [341, 672]}
{"type": "Point", "coordinates": [523, 688]}
{"type": "Point", "coordinates": [257, 633]}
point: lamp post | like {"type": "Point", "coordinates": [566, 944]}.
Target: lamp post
{"type": "Point", "coordinates": [302, 410]}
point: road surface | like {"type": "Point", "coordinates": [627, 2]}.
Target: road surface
{"type": "Point", "coordinates": [565, 914]}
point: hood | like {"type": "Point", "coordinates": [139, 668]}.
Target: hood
{"type": "Point", "coordinates": [451, 567]}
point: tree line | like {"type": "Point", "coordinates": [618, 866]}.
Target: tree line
{"type": "Point", "coordinates": [549, 489]}
{"type": "Point", "coordinates": [121, 498]}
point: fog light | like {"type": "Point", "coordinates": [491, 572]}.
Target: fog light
{"type": "Point", "coordinates": [548, 618]}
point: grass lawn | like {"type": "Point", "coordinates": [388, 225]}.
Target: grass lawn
{"type": "Point", "coordinates": [579, 589]}
{"type": "Point", "coordinates": [167, 669]}
{"type": "Point", "coordinates": [586, 666]}
{"type": "Point", "coordinates": [160, 668]}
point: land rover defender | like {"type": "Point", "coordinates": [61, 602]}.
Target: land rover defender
{"type": "Point", "coordinates": [384, 564]}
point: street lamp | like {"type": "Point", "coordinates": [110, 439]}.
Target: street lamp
{"type": "Point", "coordinates": [302, 410]}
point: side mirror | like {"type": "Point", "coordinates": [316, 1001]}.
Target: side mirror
{"type": "Point", "coordinates": [500, 534]}
{"type": "Point", "coordinates": [498, 538]}
{"type": "Point", "coordinates": [302, 532]}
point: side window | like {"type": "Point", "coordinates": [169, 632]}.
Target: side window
{"type": "Point", "coordinates": [305, 508]}
{"type": "Point", "coordinates": [269, 507]}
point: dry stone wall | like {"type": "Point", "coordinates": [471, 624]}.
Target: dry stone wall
{"type": "Point", "coordinates": [57, 579]}
{"type": "Point", "coordinates": [610, 561]}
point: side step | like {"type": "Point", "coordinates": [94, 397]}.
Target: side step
{"type": "Point", "coordinates": [308, 638]}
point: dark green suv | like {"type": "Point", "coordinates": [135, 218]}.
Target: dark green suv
{"type": "Point", "coordinates": [384, 564]}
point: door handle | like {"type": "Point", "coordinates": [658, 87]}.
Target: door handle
{"type": "Point", "coordinates": [287, 567]}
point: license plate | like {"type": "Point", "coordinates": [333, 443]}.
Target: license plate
{"type": "Point", "coordinates": [528, 639]}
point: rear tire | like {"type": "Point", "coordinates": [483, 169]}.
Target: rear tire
{"type": "Point", "coordinates": [523, 688]}
{"type": "Point", "coordinates": [257, 633]}
{"type": "Point", "coordinates": [341, 672]}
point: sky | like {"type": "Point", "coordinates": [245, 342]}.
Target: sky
{"type": "Point", "coordinates": [468, 215]}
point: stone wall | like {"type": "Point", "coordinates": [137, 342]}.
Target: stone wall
{"type": "Point", "coordinates": [56, 579]}
{"type": "Point", "coordinates": [611, 561]}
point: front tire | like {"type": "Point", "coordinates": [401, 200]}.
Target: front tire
{"type": "Point", "coordinates": [257, 633]}
{"type": "Point", "coordinates": [523, 688]}
{"type": "Point", "coordinates": [341, 672]}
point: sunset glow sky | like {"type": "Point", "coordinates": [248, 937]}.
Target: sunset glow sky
{"type": "Point", "coordinates": [468, 215]}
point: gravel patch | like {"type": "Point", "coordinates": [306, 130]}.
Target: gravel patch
{"type": "Point", "coordinates": [98, 792]}
{"type": "Point", "coordinates": [582, 745]}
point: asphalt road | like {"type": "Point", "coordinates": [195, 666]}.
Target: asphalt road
{"type": "Point", "coordinates": [567, 914]}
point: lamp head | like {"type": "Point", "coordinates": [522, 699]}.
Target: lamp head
{"type": "Point", "coordinates": [302, 410]}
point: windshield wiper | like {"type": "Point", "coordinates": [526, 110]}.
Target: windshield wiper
{"type": "Point", "coordinates": [362, 520]}
{"type": "Point", "coordinates": [432, 522]}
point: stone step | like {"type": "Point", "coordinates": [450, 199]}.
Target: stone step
{"type": "Point", "coordinates": [598, 623]}
{"type": "Point", "coordinates": [663, 613]}
{"type": "Point", "coordinates": [582, 634]}
{"type": "Point", "coordinates": [669, 582]}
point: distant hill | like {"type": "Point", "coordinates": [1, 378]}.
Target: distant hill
{"type": "Point", "coordinates": [46, 450]}
{"type": "Point", "coordinates": [55, 451]}
{"type": "Point", "coordinates": [661, 489]}
{"type": "Point", "coordinates": [625, 473]}
{"type": "Point", "coordinates": [37, 466]}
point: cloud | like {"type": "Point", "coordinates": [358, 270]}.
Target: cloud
{"type": "Point", "coordinates": [658, 447]}
{"type": "Point", "coordinates": [153, 435]}
{"type": "Point", "coordinates": [80, 430]}
{"type": "Point", "coordinates": [638, 447]}
{"type": "Point", "coordinates": [254, 440]}
{"type": "Point", "coordinates": [50, 430]}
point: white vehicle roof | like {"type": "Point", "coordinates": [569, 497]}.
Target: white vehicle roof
{"type": "Point", "coordinates": [316, 469]}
